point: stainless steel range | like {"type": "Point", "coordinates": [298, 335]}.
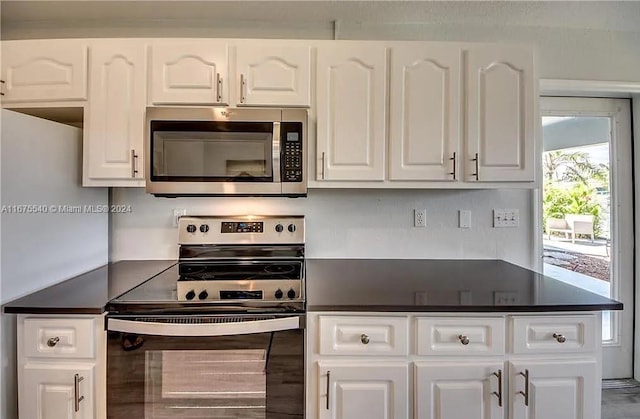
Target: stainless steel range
{"type": "Point", "coordinates": [220, 334]}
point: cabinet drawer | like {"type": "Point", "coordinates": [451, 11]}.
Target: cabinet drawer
{"type": "Point", "coordinates": [59, 337]}
{"type": "Point", "coordinates": [541, 334]}
{"type": "Point", "coordinates": [360, 335]}
{"type": "Point", "coordinates": [460, 336]}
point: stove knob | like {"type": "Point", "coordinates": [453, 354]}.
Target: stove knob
{"type": "Point", "coordinates": [279, 293]}
{"type": "Point", "coordinates": [291, 228]}
{"type": "Point", "coordinates": [191, 228]}
{"type": "Point", "coordinates": [190, 295]}
{"type": "Point", "coordinates": [291, 293]}
{"type": "Point", "coordinates": [203, 295]}
{"type": "Point", "coordinates": [279, 228]}
{"type": "Point", "coordinates": [204, 228]}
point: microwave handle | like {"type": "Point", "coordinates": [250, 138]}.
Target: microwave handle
{"type": "Point", "coordinates": [276, 152]}
{"type": "Point", "coordinates": [204, 329]}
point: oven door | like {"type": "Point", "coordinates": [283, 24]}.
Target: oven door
{"type": "Point", "coordinates": [243, 366]}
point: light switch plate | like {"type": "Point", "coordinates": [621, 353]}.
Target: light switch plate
{"type": "Point", "coordinates": [506, 218]}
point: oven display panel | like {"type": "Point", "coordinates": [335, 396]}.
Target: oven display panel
{"type": "Point", "coordinates": [241, 295]}
{"type": "Point", "coordinates": [243, 227]}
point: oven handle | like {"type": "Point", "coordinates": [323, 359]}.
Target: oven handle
{"type": "Point", "coordinates": [205, 329]}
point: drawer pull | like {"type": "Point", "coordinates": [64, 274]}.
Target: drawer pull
{"type": "Point", "coordinates": [463, 339]}
{"type": "Point", "coordinates": [51, 342]}
{"type": "Point", "coordinates": [525, 393]}
{"type": "Point", "coordinates": [364, 339]}
{"type": "Point", "coordinates": [328, 387]}
{"type": "Point", "coordinates": [560, 338]}
{"type": "Point", "coordinates": [498, 394]}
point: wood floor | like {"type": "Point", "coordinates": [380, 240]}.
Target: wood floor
{"type": "Point", "coordinates": [621, 403]}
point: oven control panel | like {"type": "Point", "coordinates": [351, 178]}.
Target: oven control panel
{"type": "Point", "coordinates": [241, 230]}
{"type": "Point", "coordinates": [264, 290]}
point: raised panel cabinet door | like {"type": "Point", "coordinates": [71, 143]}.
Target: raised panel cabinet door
{"type": "Point", "coordinates": [424, 112]}
{"type": "Point", "coordinates": [273, 75]}
{"type": "Point", "coordinates": [115, 124]}
{"type": "Point", "coordinates": [563, 389]}
{"type": "Point", "coordinates": [44, 71]}
{"type": "Point", "coordinates": [501, 97]}
{"type": "Point", "coordinates": [352, 103]}
{"type": "Point", "coordinates": [374, 391]}
{"type": "Point", "coordinates": [189, 72]}
{"type": "Point", "coordinates": [50, 391]}
{"type": "Point", "coordinates": [448, 390]}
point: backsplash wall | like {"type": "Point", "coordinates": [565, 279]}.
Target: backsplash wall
{"type": "Point", "coordinates": [345, 223]}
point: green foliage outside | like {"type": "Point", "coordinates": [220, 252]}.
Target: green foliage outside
{"type": "Point", "coordinates": [578, 199]}
{"type": "Point", "coordinates": [571, 186]}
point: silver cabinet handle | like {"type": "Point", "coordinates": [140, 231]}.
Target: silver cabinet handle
{"type": "Point", "coordinates": [3, 83]}
{"type": "Point", "coordinates": [498, 394]}
{"type": "Point", "coordinates": [328, 387]}
{"type": "Point", "coordinates": [51, 342]}
{"type": "Point", "coordinates": [364, 339]}
{"type": "Point", "coordinates": [218, 88]}
{"type": "Point", "coordinates": [525, 393]}
{"type": "Point", "coordinates": [134, 164]}
{"type": "Point", "coordinates": [477, 173]}
{"type": "Point", "coordinates": [453, 173]}
{"type": "Point", "coordinates": [560, 338]}
{"type": "Point", "coordinates": [463, 339]}
{"type": "Point", "coordinates": [243, 83]}
{"type": "Point", "coordinates": [76, 390]}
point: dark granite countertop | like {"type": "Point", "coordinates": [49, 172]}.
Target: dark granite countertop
{"type": "Point", "coordinates": [412, 285]}
{"type": "Point", "coordinates": [90, 292]}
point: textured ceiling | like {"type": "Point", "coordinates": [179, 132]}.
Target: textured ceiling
{"type": "Point", "coordinates": [606, 15]}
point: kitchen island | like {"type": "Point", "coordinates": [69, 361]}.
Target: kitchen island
{"type": "Point", "coordinates": [450, 339]}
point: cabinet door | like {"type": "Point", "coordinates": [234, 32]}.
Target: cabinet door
{"type": "Point", "coordinates": [48, 391]}
{"type": "Point", "coordinates": [351, 112]}
{"type": "Point", "coordinates": [447, 390]}
{"type": "Point", "coordinates": [501, 97]}
{"type": "Point", "coordinates": [374, 391]}
{"type": "Point", "coordinates": [189, 72]}
{"type": "Point", "coordinates": [273, 75]}
{"type": "Point", "coordinates": [567, 389]}
{"type": "Point", "coordinates": [115, 123]}
{"type": "Point", "coordinates": [44, 71]}
{"type": "Point", "coordinates": [424, 112]}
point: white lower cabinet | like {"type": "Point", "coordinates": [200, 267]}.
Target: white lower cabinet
{"type": "Point", "coordinates": [554, 389]}
{"type": "Point", "coordinates": [485, 366]}
{"type": "Point", "coordinates": [61, 367]}
{"type": "Point", "coordinates": [58, 391]}
{"type": "Point", "coordinates": [448, 390]}
{"type": "Point", "coordinates": [376, 390]}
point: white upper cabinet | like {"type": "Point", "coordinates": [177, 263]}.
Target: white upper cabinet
{"type": "Point", "coordinates": [501, 98]}
{"type": "Point", "coordinates": [115, 124]}
{"type": "Point", "coordinates": [351, 111]}
{"type": "Point", "coordinates": [273, 75]}
{"type": "Point", "coordinates": [189, 72]}
{"type": "Point", "coordinates": [424, 112]}
{"type": "Point", "coordinates": [44, 71]}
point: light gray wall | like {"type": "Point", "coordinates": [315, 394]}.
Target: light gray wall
{"type": "Point", "coordinates": [41, 163]}
{"type": "Point", "coordinates": [344, 223]}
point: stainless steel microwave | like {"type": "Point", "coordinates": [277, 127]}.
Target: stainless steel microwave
{"type": "Point", "coordinates": [197, 151]}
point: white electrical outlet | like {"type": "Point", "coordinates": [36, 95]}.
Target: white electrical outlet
{"type": "Point", "coordinates": [177, 213]}
{"type": "Point", "coordinates": [419, 218]}
{"type": "Point", "coordinates": [506, 218]}
{"type": "Point", "coordinates": [464, 219]}
{"type": "Point", "coordinates": [505, 298]}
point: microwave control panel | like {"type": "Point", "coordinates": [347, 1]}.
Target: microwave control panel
{"type": "Point", "coordinates": [292, 151]}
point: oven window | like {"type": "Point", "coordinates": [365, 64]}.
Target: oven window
{"type": "Point", "coordinates": [208, 383]}
{"type": "Point", "coordinates": [216, 152]}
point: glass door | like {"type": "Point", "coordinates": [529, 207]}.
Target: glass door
{"type": "Point", "coordinates": [587, 210]}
